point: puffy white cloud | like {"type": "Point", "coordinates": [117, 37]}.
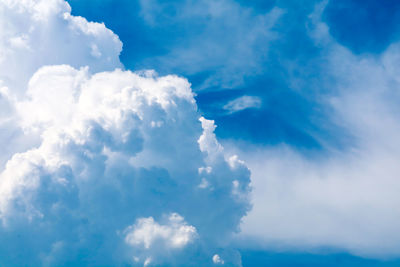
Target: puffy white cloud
{"type": "Point", "coordinates": [176, 233]}
{"type": "Point", "coordinates": [34, 33]}
{"type": "Point", "coordinates": [217, 259]}
{"type": "Point", "coordinates": [159, 239]}
{"type": "Point", "coordinates": [102, 163]}
{"type": "Point", "coordinates": [93, 159]}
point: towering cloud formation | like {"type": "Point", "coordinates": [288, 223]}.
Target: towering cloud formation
{"type": "Point", "coordinates": [104, 168]}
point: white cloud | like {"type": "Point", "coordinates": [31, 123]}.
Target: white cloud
{"type": "Point", "coordinates": [86, 154]}
{"type": "Point", "coordinates": [150, 237]}
{"type": "Point", "coordinates": [99, 157]}
{"type": "Point", "coordinates": [347, 202]}
{"type": "Point", "coordinates": [43, 32]}
{"type": "Point", "coordinates": [146, 232]}
{"type": "Point", "coordinates": [242, 103]}
{"type": "Point", "coordinates": [34, 33]}
{"type": "Point", "coordinates": [208, 142]}
{"type": "Point", "coordinates": [217, 259]}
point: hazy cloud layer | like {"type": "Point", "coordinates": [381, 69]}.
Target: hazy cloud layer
{"type": "Point", "coordinates": [341, 198]}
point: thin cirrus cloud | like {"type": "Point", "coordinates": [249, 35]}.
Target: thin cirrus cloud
{"type": "Point", "coordinates": [103, 166]}
{"type": "Point", "coordinates": [242, 103]}
{"type": "Point", "coordinates": [223, 40]}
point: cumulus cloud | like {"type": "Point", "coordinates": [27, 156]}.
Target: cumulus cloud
{"type": "Point", "coordinates": [43, 32]}
{"type": "Point", "coordinates": [149, 235]}
{"type": "Point", "coordinates": [102, 163]}
{"type": "Point", "coordinates": [217, 259]}
{"type": "Point", "coordinates": [102, 166]}
{"type": "Point", "coordinates": [34, 33]}
{"type": "Point", "coordinates": [176, 233]}
{"type": "Point", "coordinates": [341, 198]}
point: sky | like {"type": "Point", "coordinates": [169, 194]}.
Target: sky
{"type": "Point", "coordinates": [199, 133]}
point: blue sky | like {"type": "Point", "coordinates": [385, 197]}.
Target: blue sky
{"type": "Point", "coordinates": [289, 115]}
{"type": "Point", "coordinates": [282, 66]}
{"type": "Point", "coordinates": [299, 167]}
{"type": "Point", "coordinates": [151, 46]}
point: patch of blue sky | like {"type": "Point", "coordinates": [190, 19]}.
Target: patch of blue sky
{"type": "Point", "coordinates": [251, 258]}
{"type": "Point", "coordinates": [364, 26]}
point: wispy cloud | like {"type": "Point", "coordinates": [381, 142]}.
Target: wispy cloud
{"type": "Point", "coordinates": [242, 103]}
{"type": "Point", "coordinates": [222, 39]}
{"type": "Point", "coordinates": [341, 198]}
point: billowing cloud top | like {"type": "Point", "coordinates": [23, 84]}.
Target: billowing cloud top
{"type": "Point", "coordinates": [103, 166]}
{"type": "Point", "coordinates": [34, 33]}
